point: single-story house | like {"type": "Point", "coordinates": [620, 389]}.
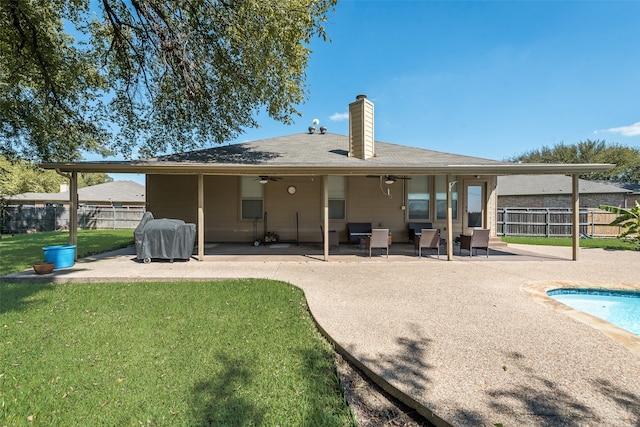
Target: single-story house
{"type": "Point", "coordinates": [114, 193]}
{"type": "Point", "coordinates": [295, 184]}
{"type": "Point", "coordinates": [555, 191]}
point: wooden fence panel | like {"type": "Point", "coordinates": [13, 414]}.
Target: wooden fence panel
{"type": "Point", "coordinates": [49, 218]}
{"type": "Point", "coordinates": [554, 222]}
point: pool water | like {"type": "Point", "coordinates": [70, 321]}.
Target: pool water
{"type": "Point", "coordinates": [622, 308]}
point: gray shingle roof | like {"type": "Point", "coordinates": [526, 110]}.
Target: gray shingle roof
{"type": "Point", "coordinates": [528, 185]}
{"type": "Point", "coordinates": [115, 191]}
{"type": "Point", "coordinates": [327, 149]}
{"type": "Point", "coordinates": [319, 154]}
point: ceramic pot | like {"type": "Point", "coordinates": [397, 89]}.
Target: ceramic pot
{"type": "Point", "coordinates": [43, 267]}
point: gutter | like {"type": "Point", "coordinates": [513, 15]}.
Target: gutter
{"type": "Point", "coordinates": [347, 170]}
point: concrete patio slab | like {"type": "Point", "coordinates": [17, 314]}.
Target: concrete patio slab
{"type": "Point", "coordinates": [465, 342]}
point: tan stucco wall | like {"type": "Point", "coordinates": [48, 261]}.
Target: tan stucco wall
{"type": "Point", "coordinates": [175, 196]}
{"type": "Point", "coordinates": [366, 202]}
{"type": "Point", "coordinates": [172, 196]}
{"type": "Point", "coordinates": [281, 208]}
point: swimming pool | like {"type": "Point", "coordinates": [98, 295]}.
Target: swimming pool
{"type": "Point", "coordinates": [622, 308]}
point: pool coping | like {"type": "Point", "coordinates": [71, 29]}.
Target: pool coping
{"type": "Point", "coordinates": [538, 292]}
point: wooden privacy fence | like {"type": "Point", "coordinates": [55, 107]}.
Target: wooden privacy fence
{"type": "Point", "coordinates": [21, 219]}
{"type": "Point", "coordinates": [554, 222]}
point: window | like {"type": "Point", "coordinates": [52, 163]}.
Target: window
{"type": "Point", "coordinates": [251, 195]}
{"type": "Point", "coordinates": [418, 197]}
{"type": "Point", "coordinates": [337, 197]}
{"type": "Point", "coordinates": [441, 197]}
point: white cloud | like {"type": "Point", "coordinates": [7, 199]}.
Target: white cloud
{"type": "Point", "coordinates": [632, 130]}
{"type": "Point", "coordinates": [338, 117]}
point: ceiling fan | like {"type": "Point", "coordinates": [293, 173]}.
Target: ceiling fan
{"type": "Point", "coordinates": [264, 178]}
{"type": "Point", "coordinates": [388, 179]}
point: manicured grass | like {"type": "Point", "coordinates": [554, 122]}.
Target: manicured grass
{"type": "Point", "coordinates": [224, 353]}
{"type": "Point", "coordinates": [567, 241]}
{"type": "Point", "coordinates": [20, 251]}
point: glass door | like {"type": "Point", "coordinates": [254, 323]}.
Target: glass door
{"type": "Point", "coordinates": [474, 206]}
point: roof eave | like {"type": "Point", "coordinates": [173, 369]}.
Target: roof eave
{"type": "Point", "coordinates": [299, 170]}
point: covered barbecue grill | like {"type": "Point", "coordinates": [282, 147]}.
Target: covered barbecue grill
{"type": "Point", "coordinates": [163, 239]}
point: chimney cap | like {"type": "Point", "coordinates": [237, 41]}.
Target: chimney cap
{"type": "Point", "coordinates": [361, 96]}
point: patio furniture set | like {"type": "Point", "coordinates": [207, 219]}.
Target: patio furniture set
{"type": "Point", "coordinates": [422, 234]}
{"type": "Point", "coordinates": [174, 239]}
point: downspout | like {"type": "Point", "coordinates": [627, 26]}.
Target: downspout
{"type": "Point", "coordinates": [73, 208]}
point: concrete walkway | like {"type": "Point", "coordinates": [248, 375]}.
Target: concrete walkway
{"type": "Point", "coordinates": [471, 342]}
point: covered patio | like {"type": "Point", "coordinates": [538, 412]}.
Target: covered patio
{"type": "Point", "coordinates": [303, 252]}
{"type": "Point", "coordinates": [319, 180]}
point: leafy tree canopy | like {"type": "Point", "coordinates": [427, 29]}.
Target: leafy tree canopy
{"type": "Point", "coordinates": [116, 76]}
{"type": "Point", "coordinates": [20, 176]}
{"type": "Point", "coordinates": [626, 159]}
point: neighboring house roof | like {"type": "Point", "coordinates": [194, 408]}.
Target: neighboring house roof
{"type": "Point", "coordinates": [633, 188]}
{"type": "Point", "coordinates": [520, 185]}
{"type": "Point", "coordinates": [317, 153]}
{"type": "Point", "coordinates": [109, 192]}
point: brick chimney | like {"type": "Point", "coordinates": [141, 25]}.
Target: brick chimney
{"type": "Point", "coordinates": [361, 141]}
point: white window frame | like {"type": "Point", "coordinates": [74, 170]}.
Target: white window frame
{"type": "Point", "coordinates": [337, 196]}
{"type": "Point", "coordinates": [251, 191]}
{"type": "Point", "coordinates": [419, 191]}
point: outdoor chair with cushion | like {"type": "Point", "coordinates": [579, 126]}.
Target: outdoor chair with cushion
{"type": "Point", "coordinates": [379, 239]}
{"type": "Point", "coordinates": [478, 240]}
{"type": "Point", "coordinates": [428, 238]}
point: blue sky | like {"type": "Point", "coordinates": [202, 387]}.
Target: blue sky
{"type": "Point", "coordinates": [490, 79]}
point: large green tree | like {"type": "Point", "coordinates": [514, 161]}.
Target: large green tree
{"type": "Point", "coordinates": [21, 176]}
{"type": "Point", "coordinates": [626, 159]}
{"type": "Point", "coordinates": [113, 76]}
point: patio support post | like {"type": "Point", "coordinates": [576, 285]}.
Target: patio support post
{"type": "Point", "coordinates": [73, 211]}
{"type": "Point", "coordinates": [576, 215]}
{"type": "Point", "coordinates": [325, 216]}
{"type": "Point", "coordinates": [200, 217]}
{"type": "Point", "coordinates": [449, 219]}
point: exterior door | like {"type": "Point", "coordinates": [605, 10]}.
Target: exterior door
{"type": "Point", "coordinates": [475, 205]}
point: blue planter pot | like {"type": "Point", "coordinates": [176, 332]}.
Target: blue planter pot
{"type": "Point", "coordinates": [62, 256]}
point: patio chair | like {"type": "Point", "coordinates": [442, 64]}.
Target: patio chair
{"type": "Point", "coordinates": [428, 238]}
{"type": "Point", "coordinates": [478, 240]}
{"type": "Point", "coordinates": [379, 239]}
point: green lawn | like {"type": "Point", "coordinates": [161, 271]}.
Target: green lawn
{"type": "Point", "coordinates": [567, 241]}
{"type": "Point", "coordinates": [224, 353]}
{"type": "Point", "coordinates": [20, 251]}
